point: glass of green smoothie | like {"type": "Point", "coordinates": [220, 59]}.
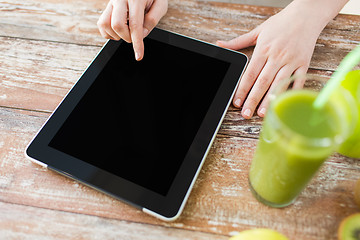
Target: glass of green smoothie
{"type": "Point", "coordinates": [351, 146]}
{"type": "Point", "coordinates": [296, 139]}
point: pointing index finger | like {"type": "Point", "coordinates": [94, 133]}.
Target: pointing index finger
{"type": "Point", "coordinates": [136, 21]}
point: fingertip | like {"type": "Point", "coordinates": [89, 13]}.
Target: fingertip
{"type": "Point", "coordinates": [138, 56]}
{"type": "Point", "coordinates": [262, 112]}
{"type": "Point", "coordinates": [247, 114]}
{"type": "Point", "coordinates": [138, 44]}
{"type": "Point", "coordinates": [237, 102]}
{"type": "Point", "coordinates": [220, 43]}
{"type": "Point", "coordinates": [138, 47]}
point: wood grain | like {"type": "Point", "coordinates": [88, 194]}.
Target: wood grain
{"type": "Point", "coordinates": [36, 74]}
{"type": "Point", "coordinates": [52, 44]}
{"type": "Point", "coordinates": [50, 225]}
{"type": "Point", "coordinates": [220, 202]}
{"type": "Point", "coordinates": [45, 46]}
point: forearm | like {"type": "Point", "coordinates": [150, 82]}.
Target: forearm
{"type": "Point", "coordinates": [318, 12]}
{"type": "Point", "coordinates": [326, 8]}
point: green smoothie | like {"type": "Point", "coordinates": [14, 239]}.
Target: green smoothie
{"type": "Point", "coordinates": [295, 140]}
{"type": "Point", "coordinates": [351, 147]}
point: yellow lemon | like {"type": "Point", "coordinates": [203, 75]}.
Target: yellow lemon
{"type": "Point", "coordinates": [259, 234]}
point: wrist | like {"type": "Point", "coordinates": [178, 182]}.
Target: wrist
{"type": "Point", "coordinates": [318, 12]}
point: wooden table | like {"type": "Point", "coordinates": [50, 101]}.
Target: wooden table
{"type": "Point", "coordinates": [45, 45]}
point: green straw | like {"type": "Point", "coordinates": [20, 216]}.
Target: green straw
{"type": "Point", "coordinates": [346, 65]}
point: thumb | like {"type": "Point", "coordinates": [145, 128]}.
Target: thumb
{"type": "Point", "coordinates": [243, 41]}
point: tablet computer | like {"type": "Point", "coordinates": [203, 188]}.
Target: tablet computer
{"type": "Point", "coordinates": [140, 131]}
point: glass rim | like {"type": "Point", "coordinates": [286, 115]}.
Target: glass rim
{"type": "Point", "coordinates": [290, 133]}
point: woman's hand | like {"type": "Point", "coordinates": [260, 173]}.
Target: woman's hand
{"type": "Point", "coordinates": [131, 20]}
{"type": "Point", "coordinates": [284, 46]}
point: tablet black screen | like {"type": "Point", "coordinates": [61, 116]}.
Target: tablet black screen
{"type": "Point", "coordinates": [139, 121]}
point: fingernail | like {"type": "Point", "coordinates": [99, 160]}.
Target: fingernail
{"type": "Point", "coordinates": [219, 43]}
{"type": "Point", "coordinates": [247, 112]}
{"type": "Point", "coordinates": [237, 102]}
{"type": "Point", "coordinates": [262, 111]}
{"type": "Point", "coordinates": [137, 56]}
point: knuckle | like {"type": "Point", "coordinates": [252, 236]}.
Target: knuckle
{"type": "Point", "coordinates": [164, 7]}
{"type": "Point", "coordinates": [251, 102]}
{"type": "Point", "coordinates": [116, 26]}
{"type": "Point", "coordinates": [281, 54]}
{"type": "Point", "coordinates": [133, 2]}
{"type": "Point", "coordinates": [251, 75]}
{"type": "Point", "coordinates": [242, 93]}
{"type": "Point", "coordinates": [263, 80]}
{"type": "Point", "coordinates": [101, 24]}
{"type": "Point", "coordinates": [133, 24]}
{"type": "Point", "coordinates": [151, 20]}
{"type": "Point", "coordinates": [265, 49]}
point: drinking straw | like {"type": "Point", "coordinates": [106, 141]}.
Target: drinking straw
{"type": "Point", "coordinates": [345, 66]}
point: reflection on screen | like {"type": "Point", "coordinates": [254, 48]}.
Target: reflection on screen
{"type": "Point", "coordinates": [138, 119]}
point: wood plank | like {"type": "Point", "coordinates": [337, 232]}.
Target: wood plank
{"type": "Point", "coordinates": [208, 21]}
{"type": "Point", "coordinates": [48, 20]}
{"type": "Point", "coordinates": [220, 202]}
{"type": "Point", "coordinates": [51, 20]}
{"type": "Point", "coordinates": [45, 47]}
{"type": "Point", "coordinates": [37, 74]}
{"type": "Point", "coordinates": [39, 223]}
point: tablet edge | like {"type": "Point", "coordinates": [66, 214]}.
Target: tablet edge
{"type": "Point", "coordinates": [145, 210]}
{"type": "Point", "coordinates": [169, 219]}
{"type": "Point", "coordinates": [33, 160]}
